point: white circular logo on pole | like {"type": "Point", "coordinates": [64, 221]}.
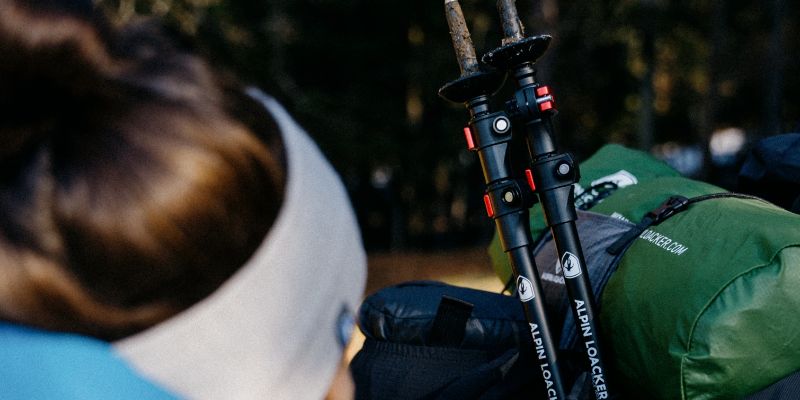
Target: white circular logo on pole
{"type": "Point", "coordinates": [525, 289]}
{"type": "Point", "coordinates": [501, 125]}
{"type": "Point", "coordinates": [570, 265]}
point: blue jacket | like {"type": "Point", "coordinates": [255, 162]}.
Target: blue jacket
{"type": "Point", "coordinates": [37, 364]}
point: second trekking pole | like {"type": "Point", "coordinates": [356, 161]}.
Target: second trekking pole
{"type": "Point", "coordinates": [507, 196]}
{"type": "Point", "coordinates": [552, 176]}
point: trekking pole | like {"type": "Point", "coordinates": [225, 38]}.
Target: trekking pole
{"type": "Point", "coordinates": [551, 175]}
{"type": "Point", "coordinates": [507, 197]}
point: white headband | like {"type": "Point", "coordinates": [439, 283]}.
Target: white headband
{"type": "Point", "coordinates": [270, 331]}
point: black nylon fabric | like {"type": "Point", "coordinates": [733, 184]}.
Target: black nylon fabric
{"type": "Point", "coordinates": [406, 313]}
{"type": "Point", "coordinates": [385, 370]}
{"type": "Point", "coordinates": [772, 171]}
{"type": "Point", "coordinates": [785, 389]}
{"type": "Point", "coordinates": [390, 371]}
{"type": "Point", "coordinates": [400, 359]}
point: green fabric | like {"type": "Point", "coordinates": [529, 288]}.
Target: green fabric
{"type": "Point", "coordinates": [607, 161]}
{"type": "Point", "coordinates": [708, 309]}
{"type": "Point", "coordinates": [704, 305]}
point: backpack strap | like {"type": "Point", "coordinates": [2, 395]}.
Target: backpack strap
{"type": "Point", "coordinates": [668, 208]}
{"type": "Point", "coordinates": [673, 205]}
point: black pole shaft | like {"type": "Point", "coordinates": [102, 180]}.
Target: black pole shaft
{"type": "Point", "coordinates": [554, 175]}
{"type": "Point", "coordinates": [522, 265]}
{"type": "Point", "coordinates": [508, 207]}
{"type": "Point", "coordinates": [579, 292]}
{"type": "Point", "coordinates": [507, 200]}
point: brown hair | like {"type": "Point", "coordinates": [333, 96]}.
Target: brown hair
{"type": "Point", "coordinates": [133, 179]}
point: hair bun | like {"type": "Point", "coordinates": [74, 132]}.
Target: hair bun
{"type": "Point", "coordinates": [54, 58]}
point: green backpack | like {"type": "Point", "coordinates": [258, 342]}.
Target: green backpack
{"type": "Point", "coordinates": [702, 304]}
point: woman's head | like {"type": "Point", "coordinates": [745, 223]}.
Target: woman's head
{"type": "Point", "coordinates": [133, 179]}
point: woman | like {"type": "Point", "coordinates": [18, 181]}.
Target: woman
{"type": "Point", "coordinates": [150, 203]}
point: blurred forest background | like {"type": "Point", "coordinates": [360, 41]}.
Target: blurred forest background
{"type": "Point", "coordinates": [693, 82]}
